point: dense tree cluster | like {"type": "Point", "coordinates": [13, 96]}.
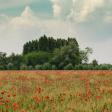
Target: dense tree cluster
{"type": "Point", "coordinates": [48, 53]}
{"type": "Point", "coordinates": [47, 44]}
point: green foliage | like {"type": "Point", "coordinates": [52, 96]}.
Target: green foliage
{"type": "Point", "coordinates": [10, 66]}
{"type": "Point", "coordinates": [65, 55]}
{"type": "Point", "coordinates": [35, 58]}
{"type": "Point", "coordinates": [47, 44]}
{"type": "Point", "coordinates": [43, 44]}
{"type": "Point", "coordinates": [84, 55]}
{"type": "Point", "coordinates": [54, 67]}
{"type": "Point", "coordinates": [30, 67]}
{"type": "Point", "coordinates": [38, 67]}
{"type": "Point", "coordinates": [14, 59]}
{"type": "Point", "coordinates": [68, 67]}
{"type": "Point", "coordinates": [23, 67]}
{"type": "Point", "coordinates": [104, 66]}
{"type": "Point", "coordinates": [46, 66]}
{"type": "Point", "coordinates": [94, 63]}
{"type": "Point", "coordinates": [2, 67]}
{"type": "Point", "coordinates": [59, 52]}
{"type": "Point", "coordinates": [78, 67]}
{"type": "Point", "coordinates": [3, 60]}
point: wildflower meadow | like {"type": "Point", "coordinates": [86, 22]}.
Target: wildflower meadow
{"type": "Point", "coordinates": [55, 91]}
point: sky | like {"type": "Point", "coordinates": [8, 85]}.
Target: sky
{"type": "Point", "coordinates": [89, 21]}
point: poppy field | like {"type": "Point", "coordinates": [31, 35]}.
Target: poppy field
{"type": "Point", "coordinates": [55, 91]}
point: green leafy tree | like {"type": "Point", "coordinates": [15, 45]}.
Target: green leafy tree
{"type": "Point", "coordinates": [15, 59]}
{"type": "Point", "coordinates": [94, 63]}
{"type": "Point", "coordinates": [47, 44]}
{"type": "Point", "coordinates": [35, 58]}
{"type": "Point", "coordinates": [43, 43]}
{"type": "Point", "coordinates": [3, 60]}
{"type": "Point", "coordinates": [65, 55]}
{"type": "Point", "coordinates": [84, 55]}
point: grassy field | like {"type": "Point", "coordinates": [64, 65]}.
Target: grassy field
{"type": "Point", "coordinates": [55, 91]}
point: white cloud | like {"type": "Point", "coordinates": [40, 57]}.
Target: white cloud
{"type": "Point", "coordinates": [26, 18]}
{"type": "Point", "coordinates": [14, 3]}
{"type": "Point", "coordinates": [108, 19]}
{"type": "Point", "coordinates": [5, 4]}
{"type": "Point", "coordinates": [57, 7]}
{"type": "Point", "coordinates": [77, 10]}
{"type": "Point", "coordinates": [82, 9]}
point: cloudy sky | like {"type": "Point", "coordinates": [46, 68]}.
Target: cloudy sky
{"type": "Point", "coordinates": [89, 21]}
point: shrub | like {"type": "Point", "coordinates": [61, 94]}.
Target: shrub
{"type": "Point", "coordinates": [78, 67]}
{"type": "Point", "coordinates": [38, 67]}
{"type": "Point", "coordinates": [68, 67]}
{"type": "Point", "coordinates": [2, 67]}
{"type": "Point", "coordinates": [54, 67]}
{"type": "Point", "coordinates": [35, 58]}
{"type": "Point", "coordinates": [10, 66]}
{"type": "Point", "coordinates": [30, 67]}
{"type": "Point", "coordinates": [46, 66]}
{"type": "Point", "coordinates": [23, 67]}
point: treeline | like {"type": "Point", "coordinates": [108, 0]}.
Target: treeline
{"type": "Point", "coordinates": [48, 53]}
{"type": "Point", "coordinates": [47, 44]}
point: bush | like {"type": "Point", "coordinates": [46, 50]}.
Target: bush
{"type": "Point", "coordinates": [30, 67]}
{"type": "Point", "coordinates": [46, 66]}
{"type": "Point", "coordinates": [2, 68]}
{"type": "Point", "coordinates": [10, 66]}
{"type": "Point", "coordinates": [38, 67]}
{"type": "Point", "coordinates": [85, 67]}
{"type": "Point", "coordinates": [61, 65]}
{"type": "Point", "coordinates": [23, 67]}
{"type": "Point", "coordinates": [104, 67]}
{"type": "Point", "coordinates": [68, 67]}
{"type": "Point", "coordinates": [35, 58]}
{"type": "Point", "coordinates": [78, 67]}
{"type": "Point", "coordinates": [91, 67]}
{"type": "Point", "coordinates": [54, 67]}
{"type": "Point", "coordinates": [97, 67]}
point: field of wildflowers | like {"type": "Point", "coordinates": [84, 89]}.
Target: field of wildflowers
{"type": "Point", "coordinates": [56, 91]}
